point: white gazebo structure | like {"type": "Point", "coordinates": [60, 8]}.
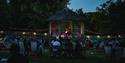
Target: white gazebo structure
{"type": "Point", "coordinates": [66, 22]}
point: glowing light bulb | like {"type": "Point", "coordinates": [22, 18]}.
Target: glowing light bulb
{"type": "Point", "coordinates": [23, 33]}
{"type": "Point", "coordinates": [98, 36]}
{"type": "Point", "coordinates": [45, 34]}
{"type": "Point", "coordinates": [34, 33]}
{"type": "Point", "coordinates": [87, 36]}
{"type": "Point", "coordinates": [108, 36]}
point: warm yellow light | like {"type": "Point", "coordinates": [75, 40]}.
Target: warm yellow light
{"type": "Point", "coordinates": [87, 36]}
{"type": "Point", "coordinates": [108, 36]}
{"type": "Point", "coordinates": [0, 39]}
{"type": "Point", "coordinates": [34, 33]}
{"type": "Point", "coordinates": [98, 36]}
{"type": "Point", "coordinates": [1, 32]}
{"type": "Point", "coordinates": [119, 36]}
{"type": "Point", "coordinates": [23, 33]}
{"type": "Point", "coordinates": [45, 34]}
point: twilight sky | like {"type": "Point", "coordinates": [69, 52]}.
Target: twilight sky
{"type": "Point", "coordinates": [86, 5]}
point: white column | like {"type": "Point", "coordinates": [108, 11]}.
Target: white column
{"type": "Point", "coordinates": [50, 28]}
{"type": "Point", "coordinates": [82, 28]}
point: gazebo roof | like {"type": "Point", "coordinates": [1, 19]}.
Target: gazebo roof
{"type": "Point", "coordinates": [65, 15]}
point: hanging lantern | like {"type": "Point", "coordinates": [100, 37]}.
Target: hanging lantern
{"type": "Point", "coordinates": [98, 36]}
{"type": "Point", "coordinates": [108, 36]}
{"type": "Point", "coordinates": [119, 36]}
{"type": "Point", "coordinates": [23, 33]}
{"type": "Point", "coordinates": [1, 32]}
{"type": "Point", "coordinates": [87, 36]}
{"type": "Point", "coordinates": [45, 34]}
{"type": "Point", "coordinates": [34, 33]}
{"type": "Point", "coordinates": [1, 39]}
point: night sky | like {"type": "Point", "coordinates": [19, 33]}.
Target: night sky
{"type": "Point", "coordinates": [86, 5]}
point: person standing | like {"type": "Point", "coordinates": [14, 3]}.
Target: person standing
{"type": "Point", "coordinates": [108, 48]}
{"type": "Point", "coordinates": [27, 46]}
{"type": "Point", "coordinates": [15, 56]}
{"type": "Point", "coordinates": [69, 48]}
{"type": "Point", "coordinates": [55, 47]}
{"type": "Point", "coordinates": [40, 46]}
{"type": "Point", "coordinates": [78, 49]}
{"type": "Point", "coordinates": [122, 44]}
{"type": "Point", "coordinates": [21, 46]}
{"type": "Point", "coordinates": [89, 43]}
{"type": "Point", "coordinates": [33, 45]}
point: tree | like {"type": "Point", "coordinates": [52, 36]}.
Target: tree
{"type": "Point", "coordinates": [88, 19]}
{"type": "Point", "coordinates": [110, 17]}
{"type": "Point", "coordinates": [116, 12]}
{"type": "Point", "coordinates": [2, 11]}
{"type": "Point", "coordinates": [31, 13]}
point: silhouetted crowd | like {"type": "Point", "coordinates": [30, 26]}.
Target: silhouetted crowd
{"type": "Point", "coordinates": [22, 47]}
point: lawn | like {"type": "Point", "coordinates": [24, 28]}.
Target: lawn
{"type": "Point", "coordinates": [89, 56]}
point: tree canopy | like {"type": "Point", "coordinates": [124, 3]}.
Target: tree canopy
{"type": "Point", "coordinates": [110, 17]}
{"type": "Point", "coordinates": [28, 13]}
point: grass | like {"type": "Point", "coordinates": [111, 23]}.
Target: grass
{"type": "Point", "coordinates": [88, 57]}
{"type": "Point", "coordinates": [47, 59]}
{"type": "Point", "coordinates": [95, 57]}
